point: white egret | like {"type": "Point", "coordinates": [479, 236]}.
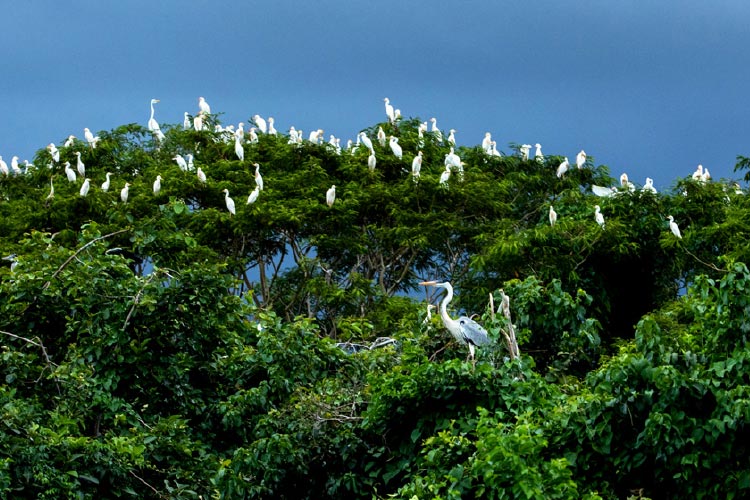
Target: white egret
{"type": "Point", "coordinates": [698, 174]}
{"type": "Point", "coordinates": [395, 147]}
{"type": "Point", "coordinates": [238, 149]}
{"type": "Point", "coordinates": [674, 227]}
{"type": "Point", "coordinates": [420, 133]}
{"type": "Point", "coordinates": [14, 166]}
{"type": "Point", "coordinates": [494, 151]}
{"type": "Point", "coordinates": [271, 128]}
{"type": "Point", "coordinates": [524, 150]}
{"type": "Point", "coordinates": [201, 175]}
{"type": "Point", "coordinates": [181, 162]}
{"type": "Point", "coordinates": [79, 165]}
{"type": "Point", "coordinates": [70, 141]}
{"type": "Point", "coordinates": [452, 160]}
{"type": "Point", "coordinates": [157, 184]}
{"type": "Point", "coordinates": [389, 111]}
{"type": "Point", "coordinates": [624, 182]}
{"type": "Point", "coordinates": [4, 167]}
{"type": "Point", "coordinates": [416, 165]}
{"type": "Point", "coordinates": [189, 160]}
{"type": "Point", "coordinates": [85, 187]}
{"type": "Point", "coordinates": [706, 175]}
{"type": "Point", "coordinates": [229, 201]}
{"type": "Point", "coordinates": [371, 161]}
{"type": "Point", "coordinates": [54, 152]}
{"type": "Point", "coordinates": [552, 216]}
{"type": "Point", "coordinates": [124, 192]}
{"type": "Point", "coordinates": [538, 156]}
{"type": "Point", "coordinates": [90, 138]}
{"type": "Point", "coordinates": [198, 122]}
{"type": "Point", "coordinates": [258, 177]}
{"type": "Point", "coordinates": [465, 330]}
{"type": "Point", "coordinates": [649, 186]}
{"type": "Point", "coordinates": [598, 217]}
{"type": "Point", "coordinates": [581, 159]}
{"type": "Point", "coordinates": [331, 195]}
{"type": "Point", "coordinates": [366, 141]}
{"type": "Point", "coordinates": [253, 195]}
{"type": "Point", "coordinates": [562, 168]}
{"type": "Point", "coordinates": [105, 184]}
{"type": "Point", "coordinates": [445, 176]}
{"type": "Point", "coordinates": [452, 137]}
{"type": "Point", "coordinates": [316, 136]}
{"type": "Point", "coordinates": [602, 191]}
{"type": "Point", "coordinates": [436, 131]}
{"type": "Point", "coordinates": [203, 106]}
{"type": "Point", "coordinates": [69, 172]}
{"type": "Point", "coordinates": [381, 137]}
{"type": "Point", "coordinates": [153, 125]}
{"type": "Point", "coordinates": [253, 135]}
{"type": "Point", "coordinates": [261, 123]}
{"type": "Point", "coordinates": [293, 135]}
{"type": "Point", "coordinates": [51, 190]}
{"type": "Point", "coordinates": [487, 142]}
{"type": "Point", "coordinates": [186, 121]}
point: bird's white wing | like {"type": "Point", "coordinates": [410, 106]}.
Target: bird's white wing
{"type": "Point", "coordinates": [601, 190]}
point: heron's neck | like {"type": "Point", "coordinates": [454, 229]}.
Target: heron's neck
{"type": "Point", "coordinates": [444, 305]}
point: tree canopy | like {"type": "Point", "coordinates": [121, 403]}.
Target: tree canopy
{"type": "Point", "coordinates": [156, 345]}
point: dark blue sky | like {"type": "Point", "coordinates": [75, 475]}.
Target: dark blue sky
{"type": "Point", "coordinates": [649, 88]}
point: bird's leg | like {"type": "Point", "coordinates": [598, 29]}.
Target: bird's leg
{"type": "Point", "coordinates": [471, 355]}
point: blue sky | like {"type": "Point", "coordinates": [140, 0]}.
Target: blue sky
{"type": "Point", "coordinates": [651, 88]}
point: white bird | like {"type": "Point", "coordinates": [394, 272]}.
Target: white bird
{"type": "Point", "coordinates": [487, 142]}
{"type": "Point", "coordinates": [253, 195]}
{"type": "Point", "coordinates": [261, 123]}
{"type": "Point", "coordinates": [85, 187]}
{"type": "Point", "coordinates": [624, 182]}
{"type": "Point", "coordinates": [253, 135]}
{"type": "Point", "coordinates": [14, 166]}
{"type": "Point", "coordinates": [331, 195]}
{"type": "Point", "coordinates": [649, 186]}
{"type": "Point", "coordinates": [27, 166]}
{"type": "Point", "coordinates": [494, 151]}
{"type": "Point", "coordinates": [562, 168]}
{"type": "Point", "coordinates": [51, 190]}
{"type": "Point", "coordinates": [189, 160]}
{"type": "Point", "coordinates": [186, 121]}
{"type": "Point", "coordinates": [452, 137]}
{"type": "Point", "coordinates": [436, 131]}
{"type": "Point", "coordinates": [603, 191]}
{"type": "Point", "coordinates": [4, 167]}
{"type": "Point", "coordinates": [706, 175]}
{"type": "Point", "coordinates": [381, 137]}
{"type": "Point", "coordinates": [238, 149]}
{"type": "Point", "coordinates": [203, 106]}
{"type": "Point", "coordinates": [598, 217]}
{"type": "Point", "coordinates": [229, 201]}
{"type": "Point", "coordinates": [371, 161]}
{"type": "Point", "coordinates": [258, 178]}
{"type": "Point", "coordinates": [452, 160]}
{"type": "Point", "coordinates": [698, 174]}
{"type": "Point", "coordinates": [80, 166]}
{"type": "Point", "coordinates": [366, 141]}
{"type": "Point", "coordinates": [552, 216]}
{"type": "Point", "coordinates": [315, 136]}
{"type": "Point", "coordinates": [181, 162]}
{"type": "Point", "coordinates": [395, 147]}
{"type": "Point", "coordinates": [157, 184]}
{"type": "Point", "coordinates": [416, 165]}
{"type": "Point", "coordinates": [465, 330]}
{"type": "Point", "coordinates": [69, 172]}
{"type": "Point", "coordinates": [201, 175]}
{"type": "Point", "coordinates": [105, 184]}
{"type": "Point", "coordinates": [124, 193]}
{"type": "Point", "coordinates": [271, 128]}
{"type": "Point", "coordinates": [198, 122]}
{"type": "Point", "coordinates": [389, 111]}
{"type": "Point", "coordinates": [54, 152]}
{"type": "Point", "coordinates": [70, 141]}
{"type": "Point", "coordinates": [153, 125]}
{"type": "Point", "coordinates": [90, 138]}
{"type": "Point", "coordinates": [524, 150]}
{"type": "Point", "coordinates": [674, 227]}
{"type": "Point", "coordinates": [445, 176]}
{"type": "Point", "coordinates": [581, 159]}
{"type": "Point", "coordinates": [538, 156]}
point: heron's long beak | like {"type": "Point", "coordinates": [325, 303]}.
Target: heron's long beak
{"type": "Point", "coordinates": [428, 283]}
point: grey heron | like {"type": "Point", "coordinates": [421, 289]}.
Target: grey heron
{"type": "Point", "coordinates": [465, 330]}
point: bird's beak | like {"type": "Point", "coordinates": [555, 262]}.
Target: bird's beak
{"type": "Point", "coordinates": [428, 283]}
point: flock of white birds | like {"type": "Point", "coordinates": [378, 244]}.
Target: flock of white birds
{"type": "Point", "coordinates": [452, 161]}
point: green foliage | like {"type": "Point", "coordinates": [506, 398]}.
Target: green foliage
{"type": "Point", "coordinates": [163, 348]}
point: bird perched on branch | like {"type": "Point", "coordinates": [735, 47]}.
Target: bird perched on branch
{"type": "Point", "coordinates": [465, 330]}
